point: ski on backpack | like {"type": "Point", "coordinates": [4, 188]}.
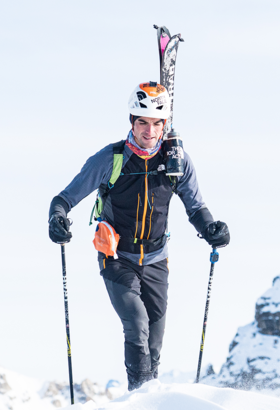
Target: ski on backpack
{"type": "Point", "coordinates": [172, 143]}
{"type": "Point", "coordinates": [168, 48]}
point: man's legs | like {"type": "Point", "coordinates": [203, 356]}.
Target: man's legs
{"type": "Point", "coordinates": [154, 286]}
{"type": "Point", "coordinates": [138, 294]}
{"type": "Point", "coordinates": [132, 312]}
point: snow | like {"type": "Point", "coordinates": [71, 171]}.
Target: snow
{"type": "Point", "coordinates": [270, 300]}
{"type": "Point", "coordinates": [19, 392]}
{"type": "Point", "coordinates": [176, 376]}
{"type": "Point", "coordinates": [255, 348]}
{"type": "Point", "coordinates": [157, 396]}
{"type": "Point", "coordinates": [253, 364]}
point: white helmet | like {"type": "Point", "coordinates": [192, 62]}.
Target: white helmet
{"type": "Point", "coordinates": [149, 100]}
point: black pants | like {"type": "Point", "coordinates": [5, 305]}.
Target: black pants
{"type": "Point", "coordinates": [139, 296]}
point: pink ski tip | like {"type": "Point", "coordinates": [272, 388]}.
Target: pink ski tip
{"type": "Point", "coordinates": [163, 42]}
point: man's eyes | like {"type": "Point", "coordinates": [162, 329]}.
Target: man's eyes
{"type": "Point", "coordinates": [155, 124]}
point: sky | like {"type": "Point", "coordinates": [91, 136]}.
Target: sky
{"type": "Point", "coordinates": [67, 70]}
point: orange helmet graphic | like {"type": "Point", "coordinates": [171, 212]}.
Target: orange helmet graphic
{"type": "Point", "coordinates": [150, 100]}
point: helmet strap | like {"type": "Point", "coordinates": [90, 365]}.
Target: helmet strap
{"type": "Point", "coordinates": [132, 124]}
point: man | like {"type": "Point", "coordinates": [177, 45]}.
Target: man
{"type": "Point", "coordinates": [136, 206]}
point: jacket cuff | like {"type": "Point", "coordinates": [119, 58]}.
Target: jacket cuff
{"type": "Point", "coordinates": [59, 206]}
{"type": "Point", "coordinates": [201, 219]}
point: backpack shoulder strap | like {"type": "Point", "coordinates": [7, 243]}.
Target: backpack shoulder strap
{"type": "Point", "coordinates": [173, 181]}
{"type": "Point", "coordinates": [118, 149]}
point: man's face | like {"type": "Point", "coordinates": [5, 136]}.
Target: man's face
{"type": "Point", "coordinates": [147, 131]}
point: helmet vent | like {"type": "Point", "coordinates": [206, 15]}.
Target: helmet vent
{"type": "Point", "coordinates": [141, 95]}
{"type": "Point", "coordinates": [142, 105]}
{"type": "Point", "coordinates": [159, 107]}
{"type": "Point", "coordinates": [153, 83]}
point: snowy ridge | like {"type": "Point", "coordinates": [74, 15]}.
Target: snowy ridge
{"type": "Point", "coordinates": [270, 300]}
{"type": "Point", "coordinates": [254, 361]}
{"type": "Point", "coordinates": [268, 310]}
{"type": "Point", "coordinates": [254, 354]}
{"type": "Point", "coordinates": [18, 392]}
{"type": "Point", "coordinates": [156, 396]}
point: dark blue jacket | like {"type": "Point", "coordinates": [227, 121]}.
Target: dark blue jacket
{"type": "Point", "coordinates": [137, 205]}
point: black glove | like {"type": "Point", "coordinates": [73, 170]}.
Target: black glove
{"type": "Point", "coordinates": [216, 234]}
{"type": "Point", "coordinates": [59, 229]}
{"type": "Point", "coordinates": [58, 222]}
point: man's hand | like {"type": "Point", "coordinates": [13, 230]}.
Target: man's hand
{"type": "Point", "coordinates": [217, 234]}
{"type": "Point", "coordinates": [59, 228]}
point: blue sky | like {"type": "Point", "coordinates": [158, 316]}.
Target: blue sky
{"type": "Point", "coordinates": [67, 70]}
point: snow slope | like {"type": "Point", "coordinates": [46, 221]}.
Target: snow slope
{"type": "Point", "coordinates": [254, 361]}
{"type": "Point", "coordinates": [254, 354]}
{"type": "Point", "coordinates": [19, 392]}
{"type": "Point", "coordinates": [156, 396]}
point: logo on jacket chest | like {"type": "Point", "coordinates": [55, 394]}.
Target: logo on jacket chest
{"type": "Point", "coordinates": [161, 167]}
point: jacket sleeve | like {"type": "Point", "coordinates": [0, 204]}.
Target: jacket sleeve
{"type": "Point", "coordinates": [97, 170]}
{"type": "Point", "coordinates": [188, 191]}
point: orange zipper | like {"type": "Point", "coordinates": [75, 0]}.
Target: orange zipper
{"type": "Point", "coordinates": [145, 201]}
{"type": "Point", "coordinates": [137, 216]}
{"type": "Point", "coordinates": [151, 216]}
{"type": "Point", "coordinates": [144, 213]}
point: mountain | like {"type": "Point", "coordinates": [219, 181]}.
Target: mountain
{"type": "Point", "coordinates": [254, 353]}
{"type": "Point", "coordinates": [18, 392]}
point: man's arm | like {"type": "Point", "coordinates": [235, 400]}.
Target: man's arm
{"type": "Point", "coordinates": [215, 233]}
{"type": "Point", "coordinates": [188, 190]}
{"type": "Point", "coordinates": [97, 170]}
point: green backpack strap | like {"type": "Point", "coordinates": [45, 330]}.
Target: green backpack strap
{"type": "Point", "coordinates": [117, 167]}
{"type": "Point", "coordinates": [97, 209]}
{"type": "Point", "coordinates": [118, 149]}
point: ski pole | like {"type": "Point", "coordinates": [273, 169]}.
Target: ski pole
{"type": "Point", "coordinates": [67, 323]}
{"type": "Point", "coordinates": [214, 257]}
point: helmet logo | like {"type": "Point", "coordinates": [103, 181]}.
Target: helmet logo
{"type": "Point", "coordinates": [152, 89]}
{"type": "Point", "coordinates": [160, 88]}
{"type": "Point", "coordinates": [159, 100]}
{"type": "Point", "coordinates": [141, 95]}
